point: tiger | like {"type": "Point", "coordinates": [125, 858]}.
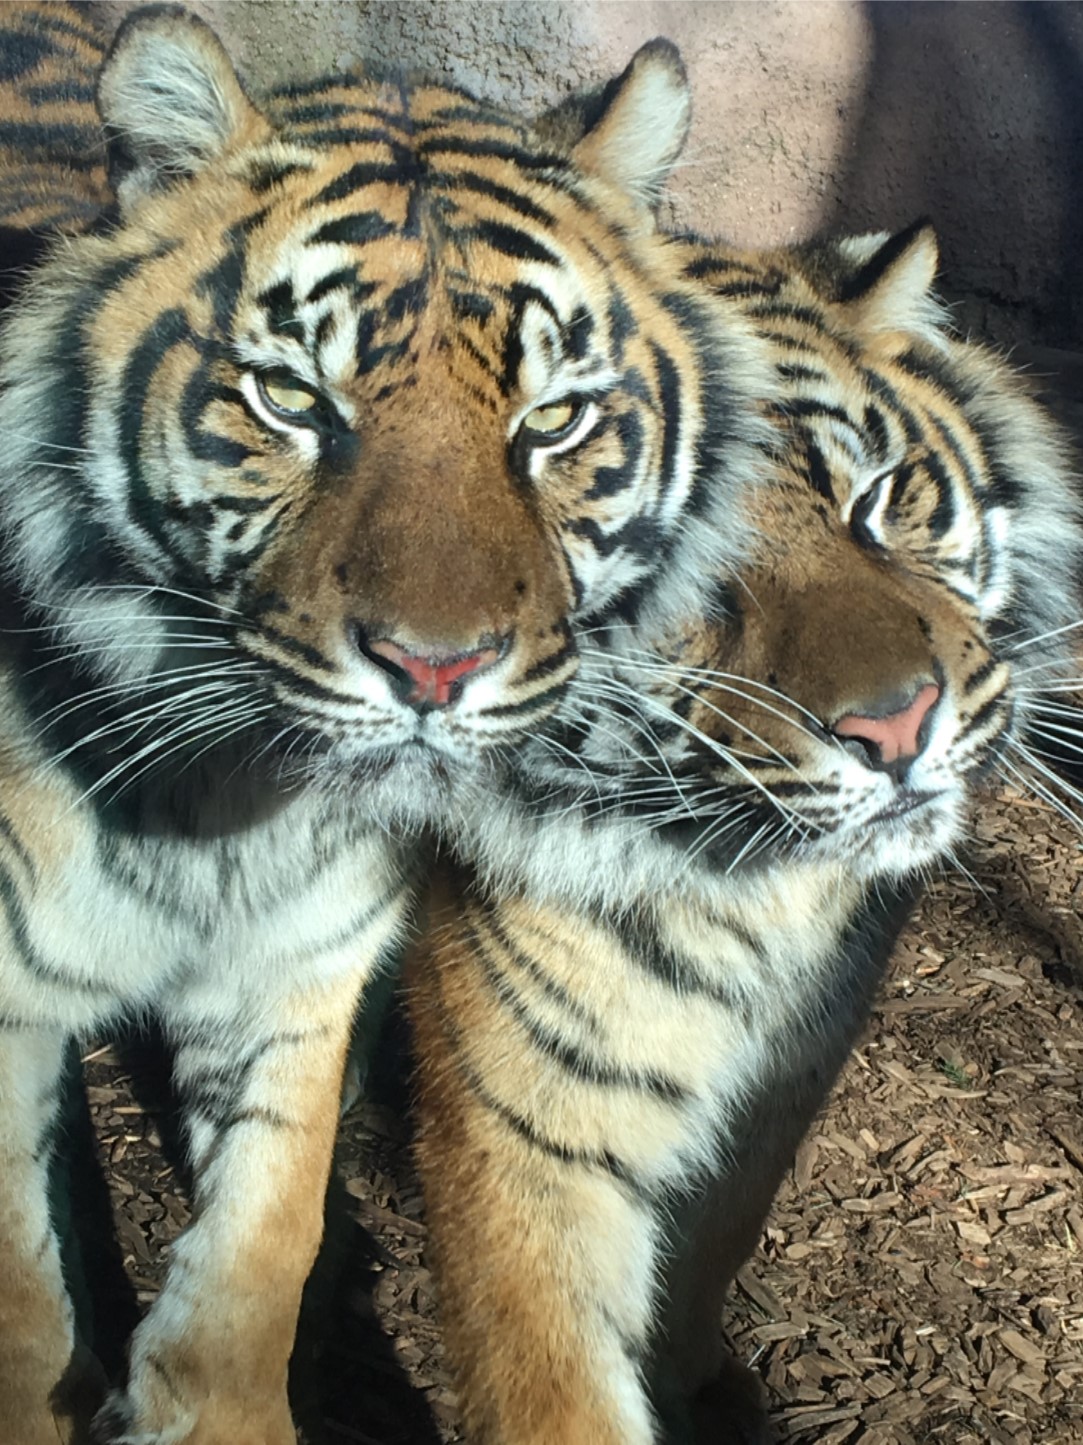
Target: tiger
{"type": "Point", "coordinates": [329, 443]}
{"type": "Point", "coordinates": [52, 161]}
{"type": "Point", "coordinates": [653, 948]}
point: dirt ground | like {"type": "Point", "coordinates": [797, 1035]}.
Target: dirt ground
{"type": "Point", "coordinates": [921, 1276]}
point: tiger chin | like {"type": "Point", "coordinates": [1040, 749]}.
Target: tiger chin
{"type": "Point", "coordinates": [324, 450]}
{"type": "Point", "coordinates": [657, 947]}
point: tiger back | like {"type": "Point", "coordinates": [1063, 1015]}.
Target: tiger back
{"type": "Point", "coordinates": [365, 406]}
{"type": "Point", "coordinates": [659, 944]}
{"type": "Point", "coordinates": [52, 149]}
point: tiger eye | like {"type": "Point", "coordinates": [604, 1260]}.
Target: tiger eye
{"type": "Point", "coordinates": [286, 393]}
{"type": "Point", "coordinates": [551, 420]}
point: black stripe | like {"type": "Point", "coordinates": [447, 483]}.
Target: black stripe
{"type": "Point", "coordinates": [354, 230]}
{"type": "Point", "coordinates": [296, 648]}
{"type": "Point", "coordinates": [787, 311]}
{"type": "Point", "coordinates": [766, 288]}
{"type": "Point", "coordinates": [332, 136]}
{"type": "Point", "coordinates": [526, 705]}
{"type": "Point", "coordinates": [318, 114]}
{"type": "Point", "coordinates": [470, 305]}
{"type": "Point", "coordinates": [222, 282]}
{"type": "Point", "coordinates": [609, 481]}
{"type": "Point", "coordinates": [70, 91]}
{"type": "Point", "coordinates": [553, 663]}
{"type": "Point", "coordinates": [551, 987]}
{"type": "Point", "coordinates": [943, 514]}
{"type": "Point", "coordinates": [605, 1161]}
{"type": "Point", "coordinates": [280, 305]}
{"type": "Point", "coordinates": [704, 266]}
{"type": "Point", "coordinates": [169, 329]}
{"type": "Point", "coordinates": [877, 435]}
{"type": "Point", "coordinates": [408, 299]}
{"type": "Point", "coordinates": [640, 536]}
{"type": "Point", "coordinates": [980, 675]}
{"type": "Point", "coordinates": [526, 160]}
{"type": "Point", "coordinates": [80, 145]}
{"type": "Point", "coordinates": [669, 388]}
{"type": "Point", "coordinates": [581, 1066]}
{"type": "Point", "coordinates": [266, 173]}
{"type": "Point", "coordinates": [344, 278]}
{"type": "Point", "coordinates": [208, 446]}
{"type": "Point", "coordinates": [510, 241]}
{"type": "Point", "coordinates": [644, 948]}
{"type": "Point", "coordinates": [15, 843]}
{"type": "Point", "coordinates": [369, 355]}
{"type": "Point", "coordinates": [12, 904]}
{"type": "Point", "coordinates": [485, 363]}
{"type": "Point", "coordinates": [882, 388]}
{"type": "Point", "coordinates": [818, 472]}
{"type": "Point", "coordinates": [515, 201]}
{"type": "Point", "coordinates": [866, 277]}
{"type": "Point", "coordinates": [809, 406]}
{"type": "Point", "coordinates": [366, 173]}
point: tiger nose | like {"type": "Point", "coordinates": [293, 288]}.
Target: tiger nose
{"type": "Point", "coordinates": [892, 739]}
{"type": "Point", "coordinates": [427, 680]}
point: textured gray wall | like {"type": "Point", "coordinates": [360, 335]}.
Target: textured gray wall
{"type": "Point", "coordinates": [808, 113]}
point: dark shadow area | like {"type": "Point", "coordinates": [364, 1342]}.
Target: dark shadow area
{"type": "Point", "coordinates": [346, 1383]}
{"type": "Point", "coordinates": [93, 1263]}
{"type": "Point", "coordinates": [20, 252]}
{"type": "Point", "coordinates": [973, 117]}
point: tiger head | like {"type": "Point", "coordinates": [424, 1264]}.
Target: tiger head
{"type": "Point", "coordinates": [916, 587]}
{"type": "Point", "coordinates": [372, 402]}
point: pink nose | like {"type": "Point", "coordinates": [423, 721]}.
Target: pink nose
{"type": "Point", "coordinates": [432, 679]}
{"type": "Point", "coordinates": [894, 737]}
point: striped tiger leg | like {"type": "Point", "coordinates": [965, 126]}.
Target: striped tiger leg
{"type": "Point", "coordinates": [208, 1364]}
{"type": "Point", "coordinates": [47, 1381]}
{"type": "Point", "coordinates": [543, 1266]}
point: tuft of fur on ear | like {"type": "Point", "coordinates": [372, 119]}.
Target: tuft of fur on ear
{"type": "Point", "coordinates": [631, 131]}
{"type": "Point", "coordinates": [885, 281]}
{"type": "Point", "coordinates": [170, 100]}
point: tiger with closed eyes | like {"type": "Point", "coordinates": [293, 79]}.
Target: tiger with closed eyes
{"type": "Point", "coordinates": [665, 933]}
{"type": "Point", "coordinates": [323, 453]}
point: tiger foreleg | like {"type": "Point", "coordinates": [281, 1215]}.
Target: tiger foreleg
{"type": "Point", "coordinates": [544, 1266]}
{"type": "Point", "coordinates": [208, 1364]}
{"type": "Point", "coordinates": [48, 1381]}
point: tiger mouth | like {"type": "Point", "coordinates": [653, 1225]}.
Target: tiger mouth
{"type": "Point", "coordinates": [905, 803]}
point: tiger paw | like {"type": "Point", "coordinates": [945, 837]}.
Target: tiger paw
{"type": "Point", "coordinates": [37, 1413]}
{"type": "Point", "coordinates": [731, 1409]}
{"type": "Point", "coordinates": [218, 1422]}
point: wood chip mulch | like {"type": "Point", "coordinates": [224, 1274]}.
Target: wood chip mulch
{"type": "Point", "coordinates": [921, 1276]}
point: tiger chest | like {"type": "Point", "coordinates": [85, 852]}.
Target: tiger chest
{"type": "Point", "coordinates": [96, 922]}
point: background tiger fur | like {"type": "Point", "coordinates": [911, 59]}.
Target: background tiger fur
{"type": "Point", "coordinates": [633, 1001]}
{"type": "Point", "coordinates": [323, 456]}
{"type": "Point", "coordinates": [52, 155]}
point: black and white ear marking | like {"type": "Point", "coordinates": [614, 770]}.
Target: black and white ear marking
{"type": "Point", "coordinates": [631, 132]}
{"type": "Point", "coordinates": [887, 280]}
{"type": "Point", "coordinates": [170, 100]}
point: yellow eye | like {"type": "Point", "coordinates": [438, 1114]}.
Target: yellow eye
{"type": "Point", "coordinates": [285, 393]}
{"type": "Point", "coordinates": [553, 421]}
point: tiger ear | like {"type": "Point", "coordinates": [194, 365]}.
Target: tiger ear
{"type": "Point", "coordinates": [170, 100]}
{"type": "Point", "coordinates": [631, 131]}
{"type": "Point", "coordinates": [886, 281]}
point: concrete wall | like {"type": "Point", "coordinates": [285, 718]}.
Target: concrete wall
{"type": "Point", "coordinates": [809, 114]}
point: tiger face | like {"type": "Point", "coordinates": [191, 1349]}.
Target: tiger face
{"type": "Point", "coordinates": [885, 647]}
{"type": "Point", "coordinates": [377, 397]}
